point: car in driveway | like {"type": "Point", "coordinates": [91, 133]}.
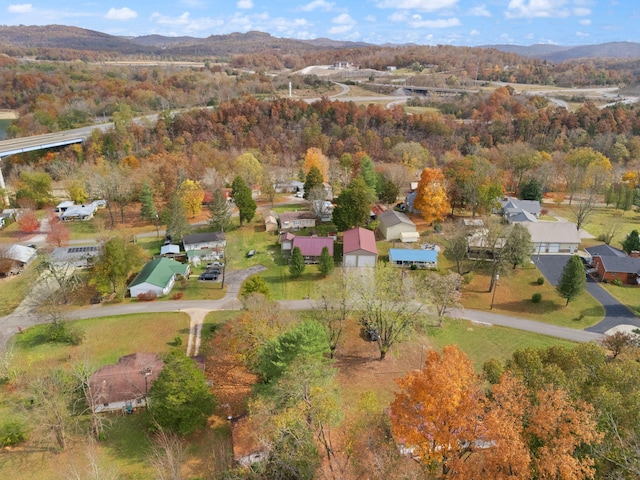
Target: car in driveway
{"type": "Point", "coordinates": [208, 276]}
{"type": "Point", "coordinates": [251, 253]}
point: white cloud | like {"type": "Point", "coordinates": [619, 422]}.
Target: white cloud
{"type": "Point", "coordinates": [418, 22]}
{"type": "Point", "coordinates": [480, 11]}
{"type": "Point", "coordinates": [20, 8]}
{"type": "Point", "coordinates": [318, 5]}
{"type": "Point", "coordinates": [339, 30]}
{"type": "Point", "coordinates": [474, 33]}
{"type": "Point", "coordinates": [121, 14]}
{"type": "Point", "coordinates": [370, 18]}
{"type": "Point", "coordinates": [537, 9]}
{"type": "Point", "coordinates": [398, 17]}
{"type": "Point", "coordinates": [421, 5]}
{"type": "Point", "coordinates": [581, 34]}
{"type": "Point", "coordinates": [185, 22]}
{"type": "Point", "coordinates": [343, 19]}
{"type": "Point", "coordinates": [581, 12]}
{"type": "Point", "coordinates": [244, 4]}
{"type": "Point", "coordinates": [193, 3]}
{"type": "Point", "coordinates": [585, 21]}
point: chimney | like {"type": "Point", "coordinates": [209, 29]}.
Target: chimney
{"type": "Point", "coordinates": [635, 254]}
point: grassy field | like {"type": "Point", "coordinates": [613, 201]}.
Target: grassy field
{"type": "Point", "coordinates": [627, 295]}
{"type": "Point", "coordinates": [513, 297]}
{"type": "Point", "coordinates": [14, 289]}
{"type": "Point", "coordinates": [601, 219]}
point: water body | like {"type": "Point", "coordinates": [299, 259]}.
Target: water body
{"type": "Point", "coordinates": [4, 124]}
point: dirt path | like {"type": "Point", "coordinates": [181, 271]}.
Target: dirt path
{"type": "Point", "coordinates": [195, 329]}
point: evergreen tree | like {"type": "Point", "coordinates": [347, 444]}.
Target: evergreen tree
{"type": "Point", "coordinates": [175, 218]}
{"type": "Point", "coordinates": [387, 190]}
{"type": "Point", "coordinates": [632, 242]}
{"type": "Point", "coordinates": [531, 190]}
{"type": "Point", "coordinates": [314, 179]}
{"type": "Point", "coordinates": [148, 207]}
{"type": "Point", "coordinates": [326, 264]}
{"type": "Point", "coordinates": [367, 170]}
{"type": "Point", "coordinates": [296, 263]}
{"type": "Point", "coordinates": [353, 205]}
{"type": "Point", "coordinates": [241, 194]}
{"type": "Point", "coordinates": [220, 212]}
{"type": "Point", "coordinates": [573, 280]}
{"type": "Point", "coordinates": [179, 399]}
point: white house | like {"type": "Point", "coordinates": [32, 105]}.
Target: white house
{"type": "Point", "coordinates": [202, 241]}
{"type": "Point", "coordinates": [158, 276]}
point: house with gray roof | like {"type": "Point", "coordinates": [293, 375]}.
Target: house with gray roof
{"type": "Point", "coordinates": [613, 264]}
{"type": "Point", "coordinates": [553, 237]}
{"type": "Point", "coordinates": [515, 210]}
{"type": "Point", "coordinates": [158, 276]}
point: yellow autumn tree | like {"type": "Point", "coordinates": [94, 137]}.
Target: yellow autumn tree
{"type": "Point", "coordinates": [431, 196]}
{"type": "Point", "coordinates": [315, 158]}
{"type": "Point", "coordinates": [191, 194]}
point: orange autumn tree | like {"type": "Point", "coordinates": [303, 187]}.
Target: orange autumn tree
{"type": "Point", "coordinates": [315, 158]}
{"type": "Point", "coordinates": [438, 411]}
{"type": "Point", "coordinates": [431, 196]}
{"type": "Point", "coordinates": [443, 416]}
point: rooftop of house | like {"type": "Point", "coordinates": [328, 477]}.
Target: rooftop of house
{"type": "Point", "coordinates": [359, 239]}
{"type": "Point", "coordinates": [159, 272]}
{"type": "Point", "coordinates": [413, 255]}
{"type": "Point", "coordinates": [20, 253]}
{"type": "Point", "coordinates": [205, 237]}
{"type": "Point", "coordinates": [128, 379]}
{"type": "Point", "coordinates": [553, 232]}
{"type": "Point", "coordinates": [312, 246]}
{"type": "Point", "coordinates": [510, 204]}
{"type": "Point", "coordinates": [605, 250]}
{"type": "Point", "coordinates": [286, 217]}
{"type": "Point", "coordinates": [391, 218]}
{"type": "Point", "coordinates": [621, 264]}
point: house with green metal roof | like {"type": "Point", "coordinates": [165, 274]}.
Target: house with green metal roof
{"type": "Point", "coordinates": [158, 276]}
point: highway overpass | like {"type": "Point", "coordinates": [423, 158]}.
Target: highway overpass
{"type": "Point", "coordinates": [15, 146]}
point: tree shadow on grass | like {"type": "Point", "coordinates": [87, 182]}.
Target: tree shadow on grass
{"type": "Point", "coordinates": [542, 307]}
{"type": "Point", "coordinates": [31, 338]}
{"type": "Point", "coordinates": [127, 436]}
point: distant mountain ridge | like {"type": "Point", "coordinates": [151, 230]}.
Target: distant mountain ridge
{"type": "Point", "coordinates": [66, 37]}
{"type": "Point", "coordinates": [558, 53]}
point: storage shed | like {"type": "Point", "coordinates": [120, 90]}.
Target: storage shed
{"type": "Point", "coordinates": [359, 248]}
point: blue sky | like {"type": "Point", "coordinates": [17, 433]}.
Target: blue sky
{"type": "Point", "coordinates": [427, 22]}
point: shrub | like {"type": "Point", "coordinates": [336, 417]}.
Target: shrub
{"type": "Point", "coordinates": [413, 266]}
{"type": "Point", "coordinates": [177, 296]}
{"type": "Point", "coordinates": [540, 281]}
{"type": "Point", "coordinates": [617, 282]}
{"type": "Point", "coordinates": [147, 296]}
{"type": "Point", "coordinates": [468, 278]}
{"type": "Point", "coordinates": [177, 341]}
{"type": "Point", "coordinates": [12, 433]}
{"type": "Point", "coordinates": [60, 332]}
{"type": "Point", "coordinates": [536, 297]}
{"type": "Point", "coordinates": [437, 228]}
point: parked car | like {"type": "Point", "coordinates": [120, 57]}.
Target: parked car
{"type": "Point", "coordinates": [300, 194]}
{"type": "Point", "coordinates": [251, 253]}
{"type": "Point", "coordinates": [209, 276]}
{"type": "Point", "coordinates": [215, 264]}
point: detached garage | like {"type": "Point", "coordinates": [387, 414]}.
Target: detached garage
{"type": "Point", "coordinates": [359, 248]}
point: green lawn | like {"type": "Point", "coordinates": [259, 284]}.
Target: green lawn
{"type": "Point", "coordinates": [513, 297]}
{"type": "Point", "coordinates": [106, 340]}
{"type": "Point", "coordinates": [14, 289]}
{"type": "Point", "coordinates": [601, 218]}
{"type": "Point", "coordinates": [627, 295]}
{"type": "Point", "coordinates": [481, 342]}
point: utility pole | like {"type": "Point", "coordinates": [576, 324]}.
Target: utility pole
{"type": "Point", "coordinates": [495, 287]}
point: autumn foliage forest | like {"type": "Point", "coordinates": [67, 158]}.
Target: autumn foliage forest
{"type": "Point", "coordinates": [564, 413]}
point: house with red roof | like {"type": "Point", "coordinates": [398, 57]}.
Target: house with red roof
{"type": "Point", "coordinates": [311, 247]}
{"type": "Point", "coordinates": [359, 248]}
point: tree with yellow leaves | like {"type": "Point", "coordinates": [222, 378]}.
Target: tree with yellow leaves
{"type": "Point", "coordinates": [431, 197]}
{"type": "Point", "coordinates": [315, 158]}
{"type": "Point", "coordinates": [191, 194]}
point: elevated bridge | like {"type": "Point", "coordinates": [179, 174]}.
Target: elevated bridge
{"type": "Point", "coordinates": [15, 146]}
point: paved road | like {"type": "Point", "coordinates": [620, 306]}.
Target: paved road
{"type": "Point", "coordinates": [616, 313]}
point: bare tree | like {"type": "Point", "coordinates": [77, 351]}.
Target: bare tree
{"type": "Point", "coordinates": [167, 454]}
{"type": "Point", "coordinates": [442, 290]}
{"type": "Point", "coordinates": [610, 229]}
{"type": "Point", "coordinates": [583, 210]}
{"type": "Point", "coordinates": [386, 304]}
{"type": "Point", "coordinates": [333, 308]}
